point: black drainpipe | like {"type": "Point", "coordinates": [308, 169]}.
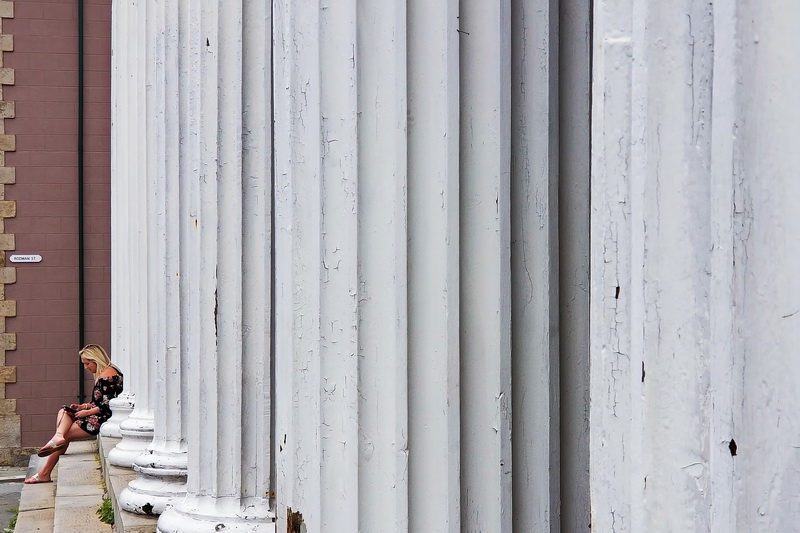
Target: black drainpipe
{"type": "Point", "coordinates": [81, 295]}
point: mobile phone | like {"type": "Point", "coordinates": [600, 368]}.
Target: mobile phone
{"type": "Point", "coordinates": [69, 409]}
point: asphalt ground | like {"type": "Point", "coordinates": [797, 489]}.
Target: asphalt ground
{"type": "Point", "coordinates": [10, 488]}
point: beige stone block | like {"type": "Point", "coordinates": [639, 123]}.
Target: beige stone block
{"type": "Point", "coordinates": [16, 456]}
{"type": "Point", "coordinates": [7, 241]}
{"type": "Point", "coordinates": [8, 110]}
{"type": "Point", "coordinates": [8, 143]}
{"type": "Point", "coordinates": [7, 10]}
{"type": "Point", "coordinates": [8, 341]}
{"type": "Point", "coordinates": [8, 308]}
{"type": "Point", "coordinates": [8, 407]}
{"type": "Point", "coordinates": [8, 208]}
{"type": "Point", "coordinates": [7, 274]}
{"type": "Point", "coordinates": [6, 43]}
{"type": "Point", "coordinates": [8, 374]}
{"type": "Point", "coordinates": [8, 174]}
{"type": "Point", "coordinates": [9, 431]}
{"type": "Point", "coordinates": [7, 76]}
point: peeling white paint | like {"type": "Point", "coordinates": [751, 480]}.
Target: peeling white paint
{"type": "Point", "coordinates": [688, 225]}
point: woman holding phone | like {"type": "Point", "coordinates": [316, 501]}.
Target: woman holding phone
{"type": "Point", "coordinates": [82, 421]}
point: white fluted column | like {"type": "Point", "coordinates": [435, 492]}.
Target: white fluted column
{"type": "Point", "coordinates": [486, 480]}
{"type": "Point", "coordinates": [121, 250]}
{"type": "Point", "coordinates": [162, 468]}
{"type": "Point", "coordinates": [433, 245]}
{"type": "Point", "coordinates": [534, 267]}
{"type": "Point", "coordinates": [657, 233]}
{"type": "Point", "coordinates": [226, 266]}
{"type": "Point", "coordinates": [316, 271]}
{"type": "Point", "coordinates": [758, 381]}
{"type": "Point", "coordinates": [137, 429]}
{"type": "Point", "coordinates": [382, 267]}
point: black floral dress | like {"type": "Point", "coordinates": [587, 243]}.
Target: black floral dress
{"type": "Point", "coordinates": [104, 390]}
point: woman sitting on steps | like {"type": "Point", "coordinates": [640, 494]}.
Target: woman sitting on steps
{"type": "Point", "coordinates": [82, 421]}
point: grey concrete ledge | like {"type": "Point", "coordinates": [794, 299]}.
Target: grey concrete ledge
{"type": "Point", "coordinates": [117, 479]}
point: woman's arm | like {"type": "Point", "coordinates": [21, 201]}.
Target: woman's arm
{"type": "Point", "coordinates": [87, 409]}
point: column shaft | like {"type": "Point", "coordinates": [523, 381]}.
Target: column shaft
{"type": "Point", "coordinates": [162, 467]}
{"type": "Point", "coordinates": [485, 275]}
{"type": "Point", "coordinates": [766, 203]}
{"type": "Point", "coordinates": [534, 266]}
{"type": "Point", "coordinates": [382, 268]}
{"type": "Point", "coordinates": [574, 127]}
{"type": "Point", "coordinates": [652, 249]}
{"type": "Point", "coordinates": [137, 429]}
{"type": "Point", "coordinates": [121, 248]}
{"type": "Point", "coordinates": [227, 330]}
{"type": "Point", "coordinates": [433, 279]}
{"type": "Point", "coordinates": [317, 292]}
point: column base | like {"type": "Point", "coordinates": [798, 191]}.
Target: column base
{"type": "Point", "coordinates": [121, 409]}
{"type": "Point", "coordinates": [161, 482]}
{"type": "Point", "coordinates": [137, 434]}
{"type": "Point", "coordinates": [218, 514]}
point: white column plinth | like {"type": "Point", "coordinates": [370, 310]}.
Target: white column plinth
{"type": "Point", "coordinates": [161, 481]}
{"type": "Point", "coordinates": [121, 409]}
{"type": "Point", "coordinates": [210, 515]}
{"type": "Point", "coordinates": [137, 433]}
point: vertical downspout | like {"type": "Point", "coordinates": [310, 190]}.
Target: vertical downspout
{"type": "Point", "coordinates": [81, 284]}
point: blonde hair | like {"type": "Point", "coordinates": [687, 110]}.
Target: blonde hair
{"type": "Point", "coordinates": [96, 353]}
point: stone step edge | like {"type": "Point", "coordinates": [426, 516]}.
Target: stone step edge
{"type": "Point", "coordinates": [116, 480]}
{"type": "Point", "coordinates": [37, 502]}
{"type": "Point", "coordinates": [79, 491]}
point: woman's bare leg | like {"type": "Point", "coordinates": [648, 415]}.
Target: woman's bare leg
{"type": "Point", "coordinates": [72, 432]}
{"type": "Point", "coordinates": [63, 423]}
{"type": "Point", "coordinates": [50, 464]}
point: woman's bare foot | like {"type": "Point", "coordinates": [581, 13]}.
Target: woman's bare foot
{"type": "Point", "coordinates": [36, 478]}
{"type": "Point", "coordinates": [52, 446]}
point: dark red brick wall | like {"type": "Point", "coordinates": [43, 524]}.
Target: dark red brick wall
{"type": "Point", "coordinates": [45, 60]}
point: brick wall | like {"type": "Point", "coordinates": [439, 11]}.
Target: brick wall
{"type": "Point", "coordinates": [45, 62]}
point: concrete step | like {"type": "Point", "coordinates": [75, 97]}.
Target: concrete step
{"type": "Point", "coordinates": [79, 491]}
{"type": "Point", "coordinates": [36, 502]}
{"type": "Point", "coordinates": [70, 503]}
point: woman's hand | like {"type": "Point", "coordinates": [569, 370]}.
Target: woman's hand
{"type": "Point", "coordinates": [76, 406]}
{"type": "Point", "coordinates": [83, 413]}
